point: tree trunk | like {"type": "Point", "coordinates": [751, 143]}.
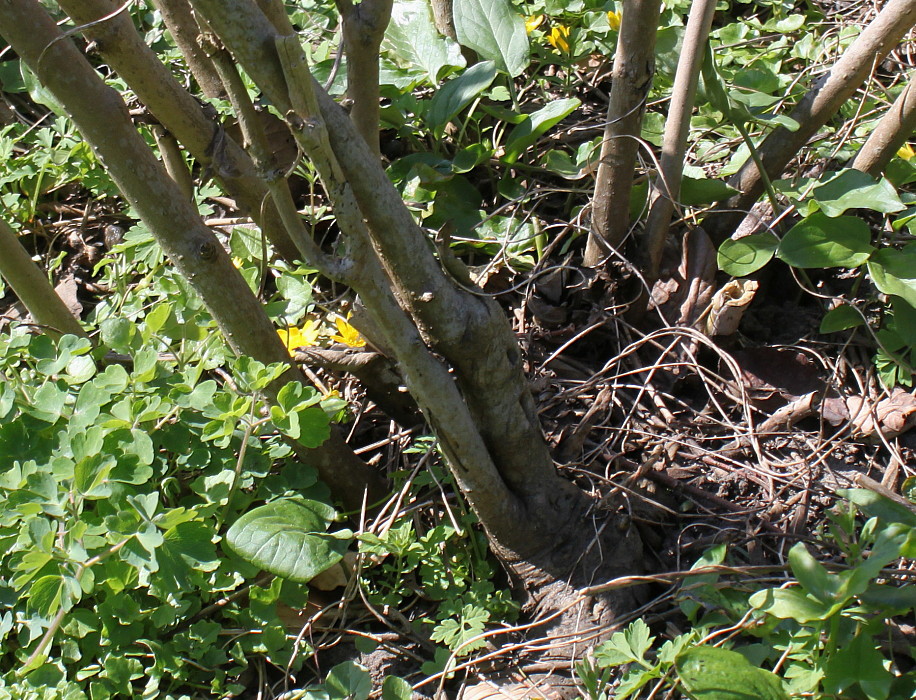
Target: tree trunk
{"type": "Point", "coordinates": [894, 129]}
{"type": "Point", "coordinates": [31, 285]}
{"type": "Point", "coordinates": [452, 344]}
{"type": "Point", "coordinates": [363, 30]}
{"type": "Point", "coordinates": [634, 66]}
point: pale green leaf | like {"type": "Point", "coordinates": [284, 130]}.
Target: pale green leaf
{"type": "Point", "coordinates": [412, 40]}
{"type": "Point", "coordinates": [495, 31]}
{"type": "Point", "coordinates": [710, 673]}
{"type": "Point", "coordinates": [822, 241]}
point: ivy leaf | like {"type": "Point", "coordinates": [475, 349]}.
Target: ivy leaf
{"type": "Point", "coordinates": [494, 30]}
{"type": "Point", "coordinates": [858, 663]}
{"type": "Point", "coordinates": [288, 538]}
{"type": "Point", "coordinates": [790, 604]}
{"type": "Point", "coordinates": [841, 318]}
{"type": "Point", "coordinates": [822, 241]}
{"type": "Point", "coordinates": [394, 688]}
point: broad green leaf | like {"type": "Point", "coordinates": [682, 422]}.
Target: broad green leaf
{"type": "Point", "coordinates": [904, 320]}
{"type": "Point", "coordinates": [813, 577]}
{"type": "Point", "coordinates": [858, 663]}
{"type": "Point", "coordinates": [696, 192]}
{"type": "Point", "coordinates": [876, 505]}
{"type": "Point", "coordinates": [457, 94]}
{"type": "Point", "coordinates": [38, 92]}
{"type": "Point", "coordinates": [822, 241]}
{"type": "Point", "coordinates": [394, 688]}
{"type": "Point", "coordinates": [469, 158]}
{"type": "Point", "coordinates": [743, 256]}
{"type": "Point", "coordinates": [710, 673]}
{"type": "Point", "coordinates": [535, 125]}
{"type": "Point", "coordinates": [288, 538]}
{"type": "Point", "coordinates": [412, 40]}
{"type": "Point", "coordinates": [495, 31]}
{"type": "Point", "coordinates": [156, 318]}
{"type": "Point", "coordinates": [80, 369]}
{"type": "Point", "coordinates": [789, 604]}
{"type": "Point", "coordinates": [841, 318]}
{"type": "Point", "coordinates": [349, 681]}
{"type": "Point", "coordinates": [853, 189]}
{"type": "Point", "coordinates": [894, 271]}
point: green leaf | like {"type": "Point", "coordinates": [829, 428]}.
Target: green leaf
{"type": "Point", "coordinates": [47, 594]}
{"type": "Point", "coordinates": [413, 40]}
{"type": "Point", "coordinates": [495, 31]}
{"type": "Point", "coordinates": [457, 94]}
{"type": "Point", "coordinates": [894, 271]}
{"type": "Point", "coordinates": [858, 662]}
{"type": "Point", "coordinates": [394, 688]}
{"type": "Point", "coordinates": [288, 538]}
{"type": "Point", "coordinates": [743, 256]}
{"type": "Point", "coordinates": [349, 680]}
{"type": "Point", "coordinates": [821, 241]}
{"type": "Point", "coordinates": [625, 647]}
{"type": "Point", "coordinates": [853, 189]}
{"type": "Point", "coordinates": [841, 318]}
{"type": "Point", "coordinates": [790, 604]}
{"type": "Point", "coordinates": [535, 125]}
{"type": "Point", "coordinates": [813, 577]}
{"type": "Point", "coordinates": [710, 673]}
{"type": "Point", "coordinates": [91, 473]}
{"type": "Point", "coordinates": [878, 506]}
{"type": "Point", "coordinates": [698, 191]}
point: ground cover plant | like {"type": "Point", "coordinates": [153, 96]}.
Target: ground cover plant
{"type": "Point", "coordinates": [393, 347]}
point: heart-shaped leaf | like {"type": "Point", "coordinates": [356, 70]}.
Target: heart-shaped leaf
{"type": "Point", "coordinates": [822, 241]}
{"type": "Point", "coordinates": [288, 538]}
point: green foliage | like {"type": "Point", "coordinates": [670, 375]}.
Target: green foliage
{"type": "Point", "coordinates": [822, 630]}
{"type": "Point", "coordinates": [446, 566]}
{"type": "Point", "coordinates": [828, 237]}
{"type": "Point", "coordinates": [117, 479]}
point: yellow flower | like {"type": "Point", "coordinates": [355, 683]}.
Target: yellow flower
{"type": "Point", "coordinates": [533, 23]}
{"type": "Point", "coordinates": [558, 37]}
{"type": "Point", "coordinates": [614, 20]}
{"type": "Point", "coordinates": [304, 337]}
{"type": "Point", "coordinates": [347, 334]}
{"type": "Point", "coordinates": [906, 151]}
{"type": "Point", "coordinates": [236, 261]}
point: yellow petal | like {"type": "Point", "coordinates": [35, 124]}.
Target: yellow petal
{"type": "Point", "coordinates": [614, 20]}
{"type": "Point", "coordinates": [236, 261]}
{"type": "Point", "coordinates": [558, 36]}
{"type": "Point", "coordinates": [304, 337]}
{"type": "Point", "coordinates": [347, 334]}
{"type": "Point", "coordinates": [533, 23]}
{"type": "Point", "coordinates": [906, 151]}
